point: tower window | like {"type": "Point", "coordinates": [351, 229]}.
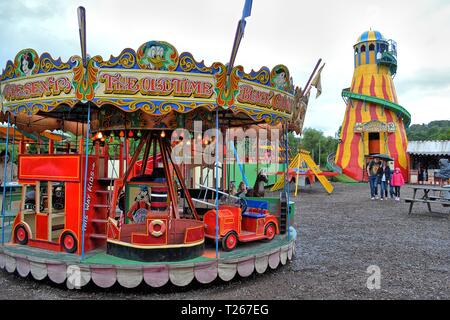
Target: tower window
{"type": "Point", "coordinates": [372, 47]}
{"type": "Point", "coordinates": [363, 48]}
{"type": "Point", "coordinates": [356, 51]}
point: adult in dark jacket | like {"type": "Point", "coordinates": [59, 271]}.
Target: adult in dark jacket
{"type": "Point", "coordinates": [388, 174]}
{"type": "Point", "coordinates": [382, 179]}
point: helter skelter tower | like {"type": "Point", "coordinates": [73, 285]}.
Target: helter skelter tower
{"type": "Point", "coordinates": [374, 122]}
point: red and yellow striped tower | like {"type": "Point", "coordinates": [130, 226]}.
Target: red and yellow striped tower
{"type": "Point", "coordinates": [374, 122]}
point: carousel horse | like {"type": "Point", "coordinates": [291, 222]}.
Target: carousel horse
{"type": "Point", "coordinates": [258, 189]}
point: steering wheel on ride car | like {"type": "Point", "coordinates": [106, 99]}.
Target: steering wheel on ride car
{"type": "Point", "coordinates": [243, 204]}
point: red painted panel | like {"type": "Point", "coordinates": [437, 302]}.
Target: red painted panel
{"type": "Point", "coordinates": [41, 227]}
{"type": "Point", "coordinates": [49, 167]}
{"type": "Point", "coordinates": [194, 234]}
{"type": "Point", "coordinates": [91, 212]}
{"type": "Point", "coordinates": [73, 207]}
{"type": "Point", "coordinates": [149, 239]}
{"type": "Point", "coordinates": [260, 226]}
{"type": "Point", "coordinates": [249, 224]}
{"type": "Point", "coordinates": [45, 245]}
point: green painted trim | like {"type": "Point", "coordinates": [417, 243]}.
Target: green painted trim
{"type": "Point", "coordinates": [387, 104]}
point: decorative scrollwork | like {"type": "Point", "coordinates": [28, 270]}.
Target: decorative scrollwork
{"type": "Point", "coordinates": [31, 108]}
{"type": "Point", "coordinates": [85, 81]}
{"type": "Point", "coordinates": [126, 60]}
{"type": "Point", "coordinates": [8, 73]}
{"type": "Point", "coordinates": [47, 63]}
{"type": "Point", "coordinates": [262, 76]}
{"type": "Point", "coordinates": [188, 64]}
{"type": "Point", "coordinates": [226, 87]}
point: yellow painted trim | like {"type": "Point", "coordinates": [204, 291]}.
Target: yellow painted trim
{"type": "Point", "coordinates": [186, 232]}
{"type": "Point", "coordinates": [126, 244]}
{"type": "Point", "coordinates": [265, 87]}
{"type": "Point", "coordinates": [39, 75]}
{"type": "Point", "coordinates": [153, 97]}
{"type": "Point", "coordinates": [156, 72]}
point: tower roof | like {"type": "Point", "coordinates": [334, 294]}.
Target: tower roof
{"type": "Point", "coordinates": [370, 36]}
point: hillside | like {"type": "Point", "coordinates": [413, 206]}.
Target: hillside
{"type": "Point", "coordinates": [435, 130]}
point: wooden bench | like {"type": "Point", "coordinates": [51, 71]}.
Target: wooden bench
{"type": "Point", "coordinates": [427, 198]}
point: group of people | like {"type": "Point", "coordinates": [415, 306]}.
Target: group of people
{"type": "Point", "coordinates": [390, 181]}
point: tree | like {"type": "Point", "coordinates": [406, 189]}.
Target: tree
{"type": "Point", "coordinates": [315, 142]}
{"type": "Point", "coordinates": [435, 130]}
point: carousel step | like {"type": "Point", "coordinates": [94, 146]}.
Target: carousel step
{"type": "Point", "coordinates": [98, 236]}
{"type": "Point", "coordinates": [106, 180]}
{"type": "Point", "coordinates": [99, 221]}
{"type": "Point", "coordinates": [104, 191]}
{"type": "Point", "coordinates": [102, 206]}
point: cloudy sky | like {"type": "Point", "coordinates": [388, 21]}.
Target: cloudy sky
{"type": "Point", "coordinates": [294, 33]}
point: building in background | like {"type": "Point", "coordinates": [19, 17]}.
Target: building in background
{"type": "Point", "coordinates": [374, 122]}
{"type": "Point", "coordinates": [426, 155]}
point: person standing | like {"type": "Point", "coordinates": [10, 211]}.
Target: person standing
{"type": "Point", "coordinates": [372, 169]}
{"type": "Point", "coordinates": [423, 174]}
{"type": "Point", "coordinates": [397, 181]}
{"type": "Point", "coordinates": [388, 174]}
{"type": "Point", "coordinates": [382, 180]}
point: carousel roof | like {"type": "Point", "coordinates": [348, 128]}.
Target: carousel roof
{"type": "Point", "coordinates": [155, 80]}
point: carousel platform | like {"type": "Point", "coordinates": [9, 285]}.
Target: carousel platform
{"type": "Point", "coordinates": [105, 270]}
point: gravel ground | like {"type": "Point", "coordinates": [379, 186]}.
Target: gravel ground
{"type": "Point", "coordinates": [340, 236]}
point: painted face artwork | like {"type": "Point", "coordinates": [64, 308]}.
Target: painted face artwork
{"type": "Point", "coordinates": [280, 80]}
{"type": "Point", "coordinates": [26, 64]}
{"type": "Point", "coordinates": [154, 57]}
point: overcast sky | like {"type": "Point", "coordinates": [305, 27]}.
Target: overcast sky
{"type": "Point", "coordinates": [294, 33]}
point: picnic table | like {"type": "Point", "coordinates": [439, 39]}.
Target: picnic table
{"type": "Point", "coordinates": [431, 195]}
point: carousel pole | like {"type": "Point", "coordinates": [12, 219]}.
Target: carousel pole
{"type": "Point", "coordinates": [4, 180]}
{"type": "Point", "coordinates": [82, 29]}
{"type": "Point", "coordinates": [86, 155]}
{"type": "Point", "coordinates": [288, 184]}
{"type": "Point", "coordinates": [12, 162]}
{"type": "Point", "coordinates": [217, 182]}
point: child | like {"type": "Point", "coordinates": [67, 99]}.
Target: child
{"type": "Point", "coordinates": [242, 190]}
{"type": "Point", "coordinates": [397, 182]}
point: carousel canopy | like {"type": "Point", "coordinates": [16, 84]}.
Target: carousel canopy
{"type": "Point", "coordinates": [16, 134]}
{"type": "Point", "coordinates": [155, 82]}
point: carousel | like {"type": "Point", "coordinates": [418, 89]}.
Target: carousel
{"type": "Point", "coordinates": [126, 213]}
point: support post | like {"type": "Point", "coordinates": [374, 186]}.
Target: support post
{"type": "Point", "coordinates": [4, 179]}
{"type": "Point", "coordinates": [86, 155]}
{"type": "Point", "coordinates": [50, 209]}
{"type": "Point", "coordinates": [217, 182]}
{"type": "Point", "coordinates": [288, 184]}
{"type": "Point", "coordinates": [120, 159]}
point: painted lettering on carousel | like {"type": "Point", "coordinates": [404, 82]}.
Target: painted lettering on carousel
{"type": "Point", "coordinates": [156, 86]}
{"type": "Point", "coordinates": [49, 86]}
{"type": "Point", "coordinates": [264, 98]}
